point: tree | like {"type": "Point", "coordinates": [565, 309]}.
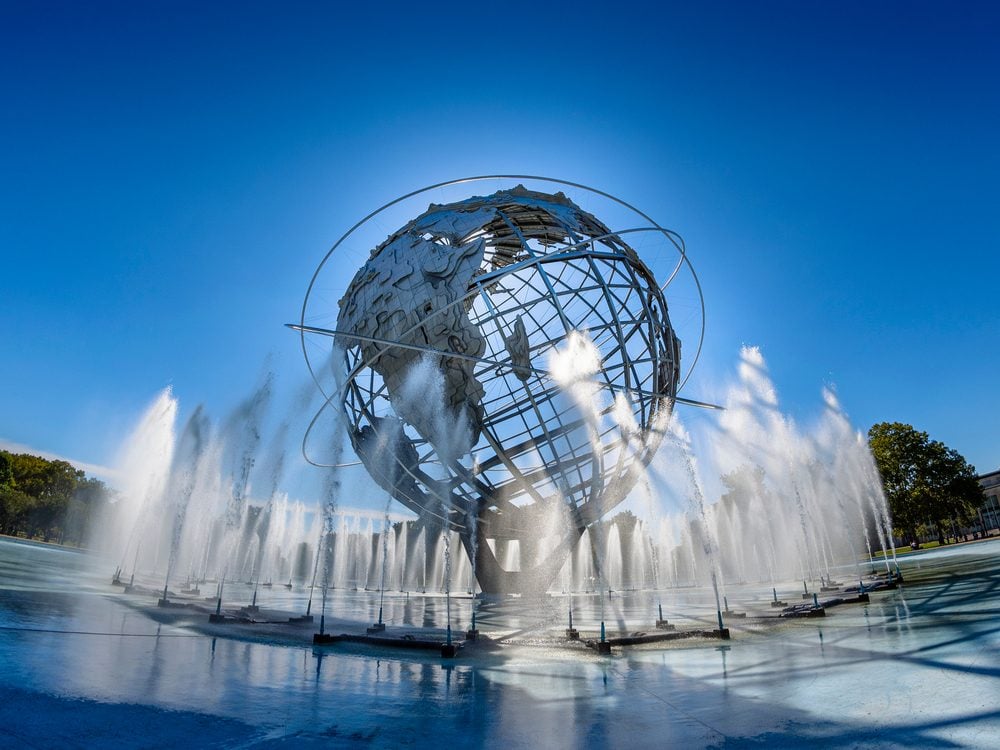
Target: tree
{"type": "Point", "coordinates": [87, 502]}
{"type": "Point", "coordinates": [52, 484]}
{"type": "Point", "coordinates": [15, 506]}
{"type": "Point", "coordinates": [6, 470]}
{"type": "Point", "coordinates": [37, 494]}
{"type": "Point", "coordinates": [925, 481]}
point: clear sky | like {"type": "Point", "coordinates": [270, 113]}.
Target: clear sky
{"type": "Point", "coordinates": [172, 173]}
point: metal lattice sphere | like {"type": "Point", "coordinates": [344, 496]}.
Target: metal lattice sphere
{"type": "Point", "coordinates": [509, 360]}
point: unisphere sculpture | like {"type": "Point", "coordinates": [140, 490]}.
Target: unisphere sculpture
{"type": "Point", "coordinates": [510, 368]}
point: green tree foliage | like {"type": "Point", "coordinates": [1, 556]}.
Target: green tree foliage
{"type": "Point", "coordinates": [14, 508]}
{"type": "Point", "coordinates": [6, 470]}
{"type": "Point", "coordinates": [46, 499]}
{"type": "Point", "coordinates": [88, 499]}
{"type": "Point", "coordinates": [925, 481]}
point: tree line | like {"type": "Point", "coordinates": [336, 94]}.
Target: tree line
{"type": "Point", "coordinates": [931, 489]}
{"type": "Point", "coordinates": [47, 500]}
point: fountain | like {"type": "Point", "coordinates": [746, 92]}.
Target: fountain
{"type": "Point", "coordinates": [753, 534]}
{"type": "Point", "coordinates": [509, 457]}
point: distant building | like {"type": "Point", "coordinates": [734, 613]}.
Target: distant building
{"type": "Point", "coordinates": [989, 511]}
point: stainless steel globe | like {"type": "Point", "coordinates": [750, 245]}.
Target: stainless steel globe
{"type": "Point", "coordinates": [510, 364]}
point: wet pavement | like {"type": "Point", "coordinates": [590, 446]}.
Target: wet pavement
{"type": "Point", "coordinates": [84, 665]}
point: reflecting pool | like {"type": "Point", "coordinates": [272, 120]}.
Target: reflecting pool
{"type": "Point", "coordinates": [83, 664]}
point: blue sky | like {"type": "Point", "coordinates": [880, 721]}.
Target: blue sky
{"type": "Point", "coordinates": [173, 173]}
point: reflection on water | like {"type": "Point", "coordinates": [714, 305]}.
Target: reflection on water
{"type": "Point", "coordinates": [529, 689]}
